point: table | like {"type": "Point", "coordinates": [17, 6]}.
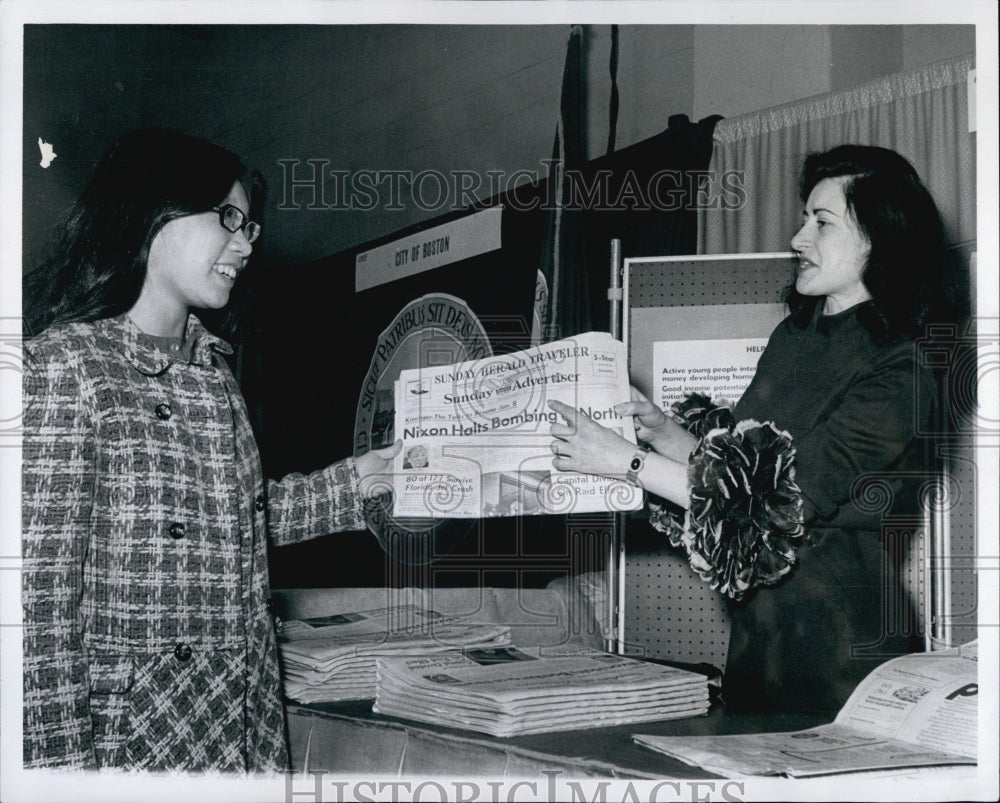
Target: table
{"type": "Point", "coordinates": [348, 738]}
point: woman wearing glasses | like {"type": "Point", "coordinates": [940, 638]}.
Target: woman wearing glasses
{"type": "Point", "coordinates": [147, 639]}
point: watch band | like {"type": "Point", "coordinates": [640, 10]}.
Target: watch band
{"type": "Point", "coordinates": [635, 465]}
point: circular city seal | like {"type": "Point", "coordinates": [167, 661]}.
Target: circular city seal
{"type": "Point", "coordinates": [434, 330]}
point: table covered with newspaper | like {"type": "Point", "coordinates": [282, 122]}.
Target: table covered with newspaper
{"type": "Point", "coordinates": [914, 711]}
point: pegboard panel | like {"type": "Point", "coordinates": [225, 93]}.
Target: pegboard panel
{"type": "Point", "coordinates": [962, 565]}
{"type": "Point", "coordinates": [710, 280]}
{"type": "Point", "coordinates": [963, 356]}
{"type": "Point", "coordinates": [667, 611]}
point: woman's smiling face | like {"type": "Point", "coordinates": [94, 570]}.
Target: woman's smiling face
{"type": "Point", "coordinates": [832, 250]}
{"type": "Point", "coordinates": [194, 261]}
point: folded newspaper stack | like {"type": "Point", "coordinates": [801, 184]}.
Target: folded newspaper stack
{"type": "Point", "coordinates": [508, 691]}
{"type": "Point", "coordinates": [332, 658]}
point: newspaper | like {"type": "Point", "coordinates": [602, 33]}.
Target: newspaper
{"type": "Point", "coordinates": [913, 711]}
{"type": "Point", "coordinates": [332, 658]}
{"type": "Point", "coordinates": [508, 691]}
{"type": "Point", "coordinates": [476, 434]}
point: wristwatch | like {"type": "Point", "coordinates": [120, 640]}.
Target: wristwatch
{"type": "Point", "coordinates": [635, 465]}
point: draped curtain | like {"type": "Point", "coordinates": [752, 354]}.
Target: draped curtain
{"type": "Point", "coordinates": [640, 195]}
{"type": "Point", "coordinates": [921, 113]}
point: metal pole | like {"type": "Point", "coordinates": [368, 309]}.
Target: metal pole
{"type": "Point", "coordinates": [615, 570]}
{"type": "Point", "coordinates": [615, 289]}
{"type": "Point", "coordinates": [937, 619]}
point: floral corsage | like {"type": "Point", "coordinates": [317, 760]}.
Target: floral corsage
{"type": "Point", "coordinates": [744, 517]}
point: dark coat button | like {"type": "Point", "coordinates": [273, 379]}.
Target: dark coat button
{"type": "Point", "coordinates": [259, 502]}
{"type": "Point", "coordinates": [163, 411]}
{"type": "Point", "coordinates": [182, 652]}
{"type": "Point", "coordinates": [176, 530]}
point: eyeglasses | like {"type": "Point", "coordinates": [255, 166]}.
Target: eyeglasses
{"type": "Point", "coordinates": [232, 219]}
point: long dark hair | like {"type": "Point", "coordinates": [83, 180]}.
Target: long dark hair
{"type": "Point", "coordinates": [149, 177]}
{"type": "Point", "coordinates": [905, 273]}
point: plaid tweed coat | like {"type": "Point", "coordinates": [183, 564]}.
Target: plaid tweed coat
{"type": "Point", "coordinates": [147, 639]}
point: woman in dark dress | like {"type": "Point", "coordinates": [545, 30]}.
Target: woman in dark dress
{"type": "Point", "coordinates": [780, 502]}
